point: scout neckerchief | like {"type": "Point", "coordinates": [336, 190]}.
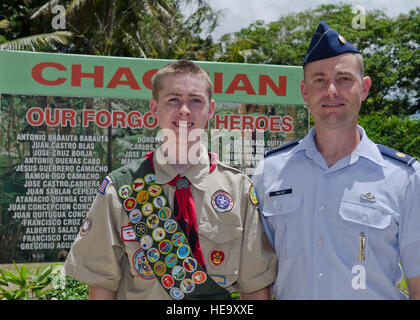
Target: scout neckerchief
{"type": "Point", "coordinates": [185, 210]}
{"type": "Point", "coordinates": [166, 251]}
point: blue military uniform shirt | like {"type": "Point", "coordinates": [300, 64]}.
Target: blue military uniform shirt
{"type": "Point", "coordinates": [316, 218]}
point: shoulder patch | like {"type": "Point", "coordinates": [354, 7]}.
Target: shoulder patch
{"type": "Point", "coordinates": [397, 155]}
{"type": "Point", "coordinates": [283, 147]}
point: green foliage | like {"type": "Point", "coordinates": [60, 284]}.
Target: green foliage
{"type": "Point", "coordinates": [398, 133]}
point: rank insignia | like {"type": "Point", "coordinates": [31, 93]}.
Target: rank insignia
{"type": "Point", "coordinates": [252, 196]}
{"type": "Point", "coordinates": [217, 257]}
{"type": "Point", "coordinates": [138, 184]}
{"type": "Point", "coordinates": [222, 201]}
{"type": "Point", "coordinates": [125, 191]}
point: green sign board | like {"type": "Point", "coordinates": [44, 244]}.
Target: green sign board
{"type": "Point", "coordinates": [68, 120]}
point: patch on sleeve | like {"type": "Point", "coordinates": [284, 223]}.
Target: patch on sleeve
{"type": "Point", "coordinates": [252, 196]}
{"type": "Point", "coordinates": [104, 184]}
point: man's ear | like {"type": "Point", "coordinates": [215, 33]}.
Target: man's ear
{"type": "Point", "coordinates": [367, 82]}
{"type": "Point", "coordinates": [303, 90]}
{"type": "Point", "coordinates": [153, 107]}
{"type": "Point", "coordinates": [212, 109]}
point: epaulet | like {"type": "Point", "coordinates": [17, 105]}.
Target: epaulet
{"type": "Point", "coordinates": [224, 165]}
{"type": "Point", "coordinates": [282, 147]}
{"type": "Point", "coordinates": [397, 155]}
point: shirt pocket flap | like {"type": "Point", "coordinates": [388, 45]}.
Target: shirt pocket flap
{"type": "Point", "coordinates": [372, 216]}
{"type": "Point", "coordinates": [220, 233]}
{"type": "Point", "coordinates": [282, 204]}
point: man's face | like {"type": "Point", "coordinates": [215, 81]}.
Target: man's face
{"type": "Point", "coordinates": [182, 106]}
{"type": "Point", "coordinates": [334, 90]}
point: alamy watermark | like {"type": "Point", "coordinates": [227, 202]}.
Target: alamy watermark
{"type": "Point", "coordinates": [59, 20]}
{"type": "Point", "coordinates": [359, 20]}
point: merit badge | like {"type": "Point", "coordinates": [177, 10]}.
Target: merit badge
{"type": "Point", "coordinates": [222, 201]}
{"type": "Point", "coordinates": [127, 234]}
{"type": "Point", "coordinates": [178, 239]}
{"type": "Point", "coordinates": [158, 234]}
{"type": "Point", "coordinates": [142, 266]}
{"type": "Point", "coordinates": [129, 204]}
{"type": "Point", "coordinates": [164, 213]}
{"type": "Point", "coordinates": [147, 209]}
{"type": "Point", "coordinates": [146, 242]}
{"type": "Point", "coordinates": [125, 191]}
{"type": "Point", "coordinates": [142, 196]}
{"type": "Point", "coordinates": [368, 197]}
{"type": "Point", "coordinates": [153, 255]}
{"type": "Point", "coordinates": [134, 216]}
{"type": "Point", "coordinates": [138, 184]}
{"type": "Point", "coordinates": [152, 221]}
{"type": "Point", "coordinates": [199, 277]}
{"type": "Point", "coordinates": [165, 246]}
{"type": "Point", "coordinates": [171, 260]}
{"type": "Point", "coordinates": [178, 273]}
{"type": "Point", "coordinates": [86, 225]}
{"type": "Point", "coordinates": [104, 184]}
{"type": "Point", "coordinates": [183, 251]}
{"type": "Point", "coordinates": [155, 190]}
{"type": "Point", "coordinates": [170, 226]}
{"type": "Point", "coordinates": [190, 264]}
{"type": "Point", "coordinates": [140, 229]}
{"type": "Point", "coordinates": [176, 293]}
{"type": "Point", "coordinates": [150, 178]}
{"type": "Point", "coordinates": [217, 257]}
{"type": "Point", "coordinates": [159, 202]}
{"type": "Point", "coordinates": [187, 285]}
{"type": "Point", "coordinates": [159, 268]}
{"type": "Point", "coordinates": [252, 196]}
{"type": "Point", "coordinates": [167, 281]}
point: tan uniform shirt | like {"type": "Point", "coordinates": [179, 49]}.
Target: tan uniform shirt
{"type": "Point", "coordinates": [236, 252]}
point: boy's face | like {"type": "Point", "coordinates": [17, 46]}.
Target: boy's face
{"type": "Point", "coordinates": [182, 106]}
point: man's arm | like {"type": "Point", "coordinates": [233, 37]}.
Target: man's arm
{"type": "Point", "coordinates": [414, 288]}
{"type": "Point", "coordinates": [263, 294]}
{"type": "Point", "coordinates": [100, 294]}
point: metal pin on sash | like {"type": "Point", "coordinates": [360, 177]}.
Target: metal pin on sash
{"type": "Point", "coordinates": [362, 240]}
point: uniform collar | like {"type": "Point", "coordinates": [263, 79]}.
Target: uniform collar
{"type": "Point", "coordinates": [366, 149]}
{"type": "Point", "coordinates": [196, 175]}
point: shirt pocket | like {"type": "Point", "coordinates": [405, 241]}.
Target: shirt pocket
{"type": "Point", "coordinates": [284, 216]}
{"type": "Point", "coordinates": [140, 267]}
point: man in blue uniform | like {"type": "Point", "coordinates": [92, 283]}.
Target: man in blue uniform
{"type": "Point", "coordinates": [342, 213]}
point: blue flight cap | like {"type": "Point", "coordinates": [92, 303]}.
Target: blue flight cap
{"type": "Point", "coordinates": [327, 43]}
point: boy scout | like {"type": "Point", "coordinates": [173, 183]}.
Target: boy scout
{"type": "Point", "coordinates": [178, 224]}
{"type": "Point", "coordinates": [341, 211]}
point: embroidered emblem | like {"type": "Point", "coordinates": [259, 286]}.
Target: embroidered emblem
{"type": "Point", "coordinates": [138, 184]}
{"type": "Point", "coordinates": [190, 264]}
{"type": "Point", "coordinates": [222, 201]}
{"type": "Point", "coordinates": [142, 266]}
{"type": "Point", "coordinates": [86, 225]}
{"type": "Point", "coordinates": [140, 229]}
{"type": "Point", "coordinates": [178, 273]}
{"type": "Point", "coordinates": [104, 184]}
{"type": "Point", "coordinates": [155, 190]}
{"type": "Point", "coordinates": [127, 234]}
{"type": "Point", "coordinates": [129, 204]}
{"type": "Point", "coordinates": [168, 281]}
{"type": "Point", "coordinates": [134, 216]}
{"type": "Point", "coordinates": [400, 154]}
{"type": "Point", "coordinates": [159, 202]}
{"type": "Point", "coordinates": [152, 221]}
{"type": "Point", "coordinates": [187, 285]}
{"type": "Point", "coordinates": [159, 268]}
{"type": "Point", "coordinates": [182, 183]}
{"type": "Point", "coordinates": [171, 260]}
{"type": "Point", "coordinates": [147, 209]}
{"type": "Point", "coordinates": [153, 255]}
{"type": "Point", "coordinates": [165, 213]}
{"type": "Point", "coordinates": [150, 178]}
{"type": "Point", "coordinates": [125, 191]}
{"type": "Point", "coordinates": [142, 196]}
{"type": "Point", "coordinates": [158, 234]}
{"type": "Point", "coordinates": [170, 226]}
{"type": "Point", "coordinates": [176, 293]}
{"type": "Point", "coordinates": [146, 242]}
{"type": "Point", "coordinates": [368, 197]}
{"type": "Point", "coordinates": [217, 257]}
{"type": "Point", "coordinates": [165, 246]}
{"type": "Point", "coordinates": [183, 251]}
{"type": "Point", "coordinates": [218, 279]}
{"type": "Point", "coordinates": [178, 238]}
{"type": "Point", "coordinates": [252, 196]}
{"type": "Point", "coordinates": [199, 277]}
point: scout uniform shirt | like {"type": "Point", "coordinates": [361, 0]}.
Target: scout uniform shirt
{"type": "Point", "coordinates": [340, 231]}
{"type": "Point", "coordinates": [237, 254]}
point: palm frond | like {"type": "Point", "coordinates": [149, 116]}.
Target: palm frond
{"type": "Point", "coordinates": [31, 43]}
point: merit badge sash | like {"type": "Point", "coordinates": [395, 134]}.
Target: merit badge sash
{"type": "Point", "coordinates": [165, 246]}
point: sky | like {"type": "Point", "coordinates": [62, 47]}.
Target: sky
{"type": "Point", "coordinates": [237, 14]}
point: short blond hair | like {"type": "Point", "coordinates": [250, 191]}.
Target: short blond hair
{"type": "Point", "coordinates": [181, 67]}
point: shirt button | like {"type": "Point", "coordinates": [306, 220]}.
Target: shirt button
{"type": "Point", "coordinates": [321, 208]}
{"type": "Point", "coordinates": [320, 275]}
